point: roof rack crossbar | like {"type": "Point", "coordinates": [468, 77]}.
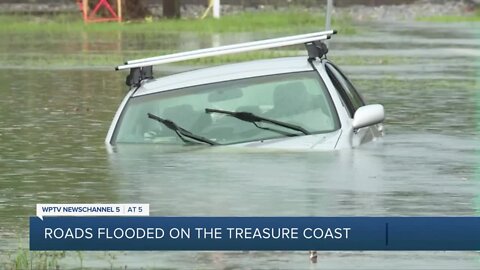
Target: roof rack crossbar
{"type": "Point", "coordinates": [228, 49]}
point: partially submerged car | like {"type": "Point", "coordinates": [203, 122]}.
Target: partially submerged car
{"type": "Point", "coordinates": [303, 102]}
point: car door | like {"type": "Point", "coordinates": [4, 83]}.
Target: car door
{"type": "Point", "coordinates": [351, 99]}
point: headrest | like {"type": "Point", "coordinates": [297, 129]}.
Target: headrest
{"type": "Point", "coordinates": [291, 98]}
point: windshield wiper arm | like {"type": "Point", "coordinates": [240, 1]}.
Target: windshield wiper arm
{"type": "Point", "coordinates": [181, 132]}
{"type": "Point", "coordinates": [250, 117]}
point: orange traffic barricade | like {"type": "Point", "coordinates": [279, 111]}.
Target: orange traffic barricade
{"type": "Point", "coordinates": [92, 15]}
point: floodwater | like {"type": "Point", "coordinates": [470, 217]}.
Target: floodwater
{"type": "Point", "coordinates": [53, 122]}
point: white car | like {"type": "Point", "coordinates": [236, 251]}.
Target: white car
{"type": "Point", "coordinates": [303, 102]}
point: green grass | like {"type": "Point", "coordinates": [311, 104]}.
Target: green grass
{"type": "Point", "coordinates": [40, 260]}
{"type": "Point", "coordinates": [372, 60]}
{"type": "Point", "coordinates": [66, 41]}
{"type": "Point", "coordinates": [23, 259]}
{"type": "Point", "coordinates": [105, 60]}
{"type": "Point", "coordinates": [291, 21]}
{"type": "Point", "coordinates": [473, 17]}
{"type": "Point", "coordinates": [110, 60]}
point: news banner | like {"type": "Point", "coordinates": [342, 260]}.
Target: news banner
{"type": "Point", "coordinates": [130, 227]}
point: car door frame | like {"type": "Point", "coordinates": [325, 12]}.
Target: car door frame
{"type": "Point", "coordinates": [353, 137]}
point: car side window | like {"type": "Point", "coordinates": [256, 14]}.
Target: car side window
{"type": "Point", "coordinates": [347, 91]}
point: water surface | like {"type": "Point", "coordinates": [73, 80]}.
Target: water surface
{"type": "Point", "coordinates": [54, 119]}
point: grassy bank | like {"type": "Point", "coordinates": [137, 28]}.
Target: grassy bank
{"type": "Point", "coordinates": [108, 61]}
{"type": "Point", "coordinates": [24, 259]}
{"type": "Point", "coordinates": [291, 21]}
{"type": "Point", "coordinates": [66, 41]}
{"type": "Point", "coordinates": [472, 17]}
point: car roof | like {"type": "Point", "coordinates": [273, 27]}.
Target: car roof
{"type": "Point", "coordinates": [224, 73]}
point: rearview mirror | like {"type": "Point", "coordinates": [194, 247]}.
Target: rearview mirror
{"type": "Point", "coordinates": [368, 115]}
{"type": "Point", "coordinates": [225, 94]}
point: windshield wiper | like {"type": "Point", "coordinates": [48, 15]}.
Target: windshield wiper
{"type": "Point", "coordinates": [252, 118]}
{"type": "Point", "coordinates": [181, 132]}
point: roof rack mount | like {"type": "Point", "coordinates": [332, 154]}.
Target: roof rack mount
{"type": "Point", "coordinates": [228, 49]}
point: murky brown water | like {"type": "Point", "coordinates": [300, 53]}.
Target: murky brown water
{"type": "Point", "coordinates": [54, 120]}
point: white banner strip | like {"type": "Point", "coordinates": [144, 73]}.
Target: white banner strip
{"type": "Point", "coordinates": [83, 210]}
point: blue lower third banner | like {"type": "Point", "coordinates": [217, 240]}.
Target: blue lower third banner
{"type": "Point", "coordinates": [255, 233]}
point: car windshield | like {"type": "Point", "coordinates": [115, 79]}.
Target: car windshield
{"type": "Point", "coordinates": [294, 99]}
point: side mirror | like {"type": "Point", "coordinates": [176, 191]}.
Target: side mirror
{"type": "Point", "coordinates": [368, 115]}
